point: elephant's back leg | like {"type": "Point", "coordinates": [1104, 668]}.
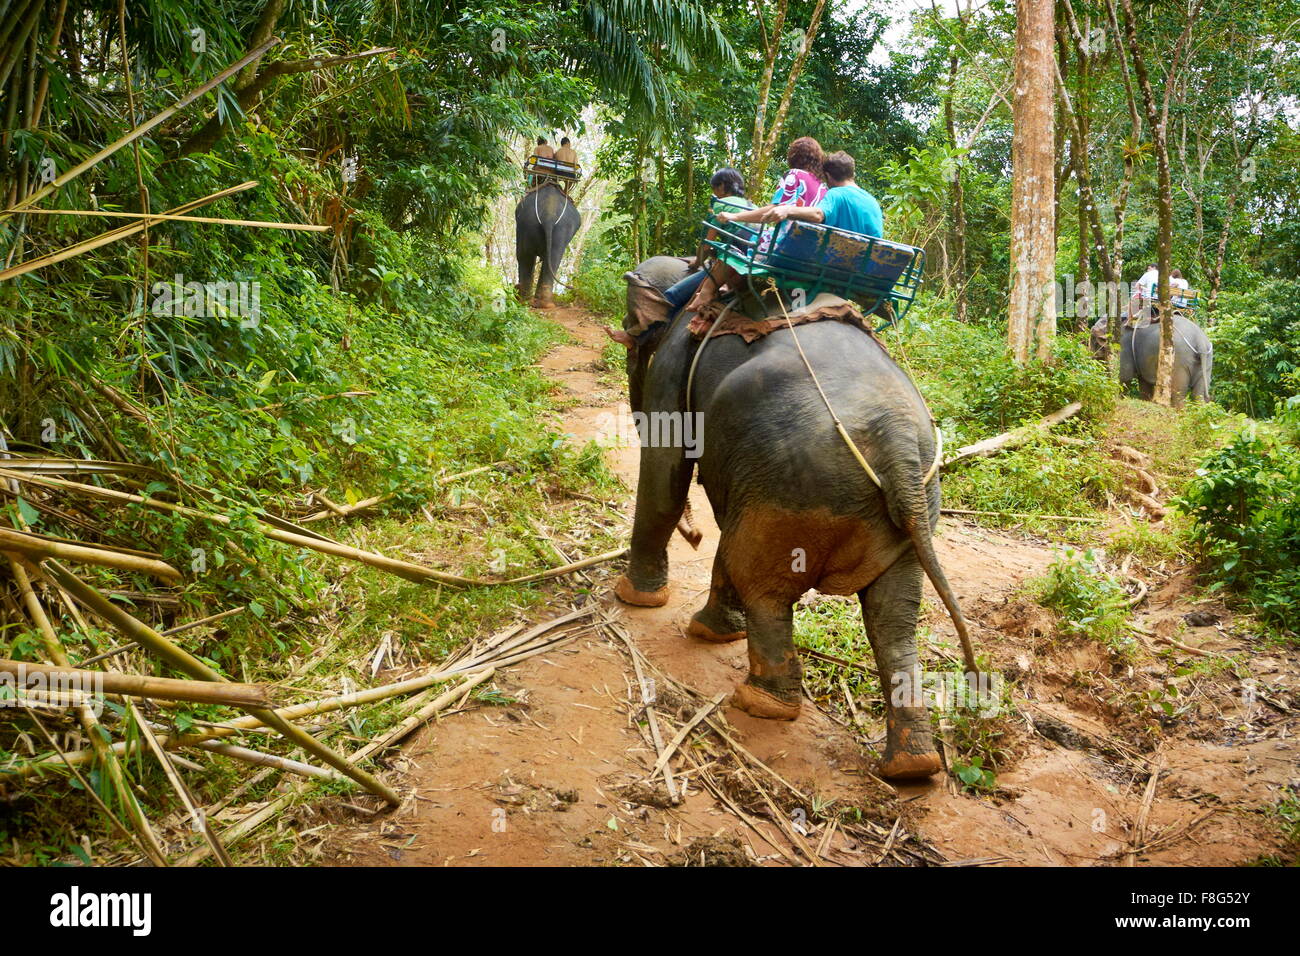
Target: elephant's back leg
{"type": "Point", "coordinates": [890, 609]}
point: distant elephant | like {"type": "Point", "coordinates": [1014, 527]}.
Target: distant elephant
{"type": "Point", "coordinates": [546, 221]}
{"type": "Point", "coordinates": [794, 507]}
{"type": "Point", "coordinates": [1193, 358]}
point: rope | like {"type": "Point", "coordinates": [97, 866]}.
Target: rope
{"type": "Point", "coordinates": [839, 426]}
{"type": "Point", "coordinates": [690, 376]}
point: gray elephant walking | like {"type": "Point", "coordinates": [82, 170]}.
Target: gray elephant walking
{"type": "Point", "coordinates": [546, 221]}
{"type": "Point", "coordinates": [794, 507]}
{"type": "Point", "coordinates": [1193, 358]}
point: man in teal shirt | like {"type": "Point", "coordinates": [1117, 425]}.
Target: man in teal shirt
{"type": "Point", "coordinates": [846, 205]}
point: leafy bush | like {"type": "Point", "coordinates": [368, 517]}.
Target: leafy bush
{"type": "Point", "coordinates": [974, 388]}
{"type": "Point", "coordinates": [1087, 602]}
{"type": "Point", "coordinates": [1245, 505]}
{"type": "Point", "coordinates": [1257, 347]}
{"type": "Point", "coordinates": [1034, 478]}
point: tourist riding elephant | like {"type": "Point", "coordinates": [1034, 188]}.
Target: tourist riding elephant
{"type": "Point", "coordinates": [546, 221]}
{"type": "Point", "coordinates": [1193, 358]}
{"type": "Point", "coordinates": [795, 508]}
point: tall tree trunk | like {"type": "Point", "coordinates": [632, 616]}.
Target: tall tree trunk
{"type": "Point", "coordinates": [1157, 118]}
{"type": "Point", "coordinates": [957, 195]}
{"type": "Point", "coordinates": [765, 140]}
{"type": "Point", "coordinates": [1031, 320]}
{"type": "Point", "coordinates": [688, 152]}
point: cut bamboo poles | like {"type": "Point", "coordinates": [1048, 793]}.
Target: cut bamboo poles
{"type": "Point", "coordinates": [403, 569]}
{"type": "Point", "coordinates": [60, 181]}
{"type": "Point", "coordinates": [47, 677]}
{"type": "Point", "coordinates": [182, 660]}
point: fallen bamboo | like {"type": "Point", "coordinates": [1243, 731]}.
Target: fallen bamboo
{"type": "Point", "coordinates": [250, 823]}
{"type": "Point", "coordinates": [182, 660]}
{"type": "Point", "coordinates": [151, 850]}
{"type": "Point", "coordinates": [170, 632]}
{"type": "Point", "coordinates": [425, 713]}
{"type": "Point", "coordinates": [178, 785]}
{"type": "Point", "coordinates": [36, 547]}
{"type": "Point", "coordinates": [59, 181]}
{"type": "Point", "coordinates": [345, 510]}
{"type": "Point", "coordinates": [403, 569]}
{"type": "Point", "coordinates": [134, 685]}
{"type": "Point", "coordinates": [1017, 436]}
{"type": "Point", "coordinates": [257, 758]}
{"type": "Point", "coordinates": [705, 709]}
{"type": "Point", "coordinates": [164, 217]}
{"type": "Point", "coordinates": [89, 722]}
{"type": "Point", "coordinates": [462, 667]}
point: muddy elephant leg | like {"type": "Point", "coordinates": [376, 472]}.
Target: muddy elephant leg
{"type": "Point", "coordinates": [665, 479]}
{"type": "Point", "coordinates": [890, 607]}
{"type": "Point", "coordinates": [773, 686]}
{"type": "Point", "coordinates": [722, 619]}
{"type": "Point", "coordinates": [1147, 390]}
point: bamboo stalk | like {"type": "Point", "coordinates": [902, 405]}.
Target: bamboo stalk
{"type": "Point", "coordinates": [60, 181]}
{"type": "Point", "coordinates": [1017, 436]}
{"type": "Point", "coordinates": [257, 758]}
{"type": "Point", "coordinates": [137, 685]}
{"type": "Point", "coordinates": [166, 217]}
{"type": "Point", "coordinates": [184, 661]}
{"type": "Point", "coordinates": [178, 785]}
{"type": "Point", "coordinates": [105, 238]}
{"type": "Point", "coordinates": [1019, 514]}
{"type": "Point", "coordinates": [707, 708]}
{"type": "Point", "coordinates": [502, 657]}
{"type": "Point", "coordinates": [171, 631]}
{"type": "Point", "coordinates": [148, 847]}
{"type": "Point", "coordinates": [35, 547]}
{"type": "Point", "coordinates": [438, 704]}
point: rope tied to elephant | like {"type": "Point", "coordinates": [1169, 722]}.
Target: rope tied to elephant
{"type": "Point", "coordinates": [839, 425]}
{"type": "Point", "coordinates": [537, 211]}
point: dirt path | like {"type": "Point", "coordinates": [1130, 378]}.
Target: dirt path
{"type": "Point", "coordinates": [537, 782]}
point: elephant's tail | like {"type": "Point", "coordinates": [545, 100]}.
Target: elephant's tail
{"type": "Point", "coordinates": [910, 511]}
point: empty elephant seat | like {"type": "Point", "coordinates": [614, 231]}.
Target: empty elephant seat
{"type": "Point", "coordinates": [820, 259]}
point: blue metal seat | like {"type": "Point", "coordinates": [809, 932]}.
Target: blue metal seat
{"type": "Point", "coordinates": [818, 258]}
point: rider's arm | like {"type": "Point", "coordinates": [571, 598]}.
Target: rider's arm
{"type": "Point", "coordinates": [775, 214]}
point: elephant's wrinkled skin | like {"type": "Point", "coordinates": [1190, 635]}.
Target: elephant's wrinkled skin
{"type": "Point", "coordinates": [546, 221]}
{"type": "Point", "coordinates": [795, 509]}
{"type": "Point", "coordinates": [1193, 358]}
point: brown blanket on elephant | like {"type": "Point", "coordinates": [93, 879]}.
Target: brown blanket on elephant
{"type": "Point", "coordinates": [735, 322]}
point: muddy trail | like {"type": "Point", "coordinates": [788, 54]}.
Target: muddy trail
{"type": "Point", "coordinates": [1093, 768]}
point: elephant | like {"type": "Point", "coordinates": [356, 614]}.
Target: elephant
{"type": "Point", "coordinates": [1193, 358]}
{"type": "Point", "coordinates": [546, 221]}
{"type": "Point", "coordinates": [794, 507]}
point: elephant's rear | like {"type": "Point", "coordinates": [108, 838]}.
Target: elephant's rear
{"type": "Point", "coordinates": [778, 471]}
